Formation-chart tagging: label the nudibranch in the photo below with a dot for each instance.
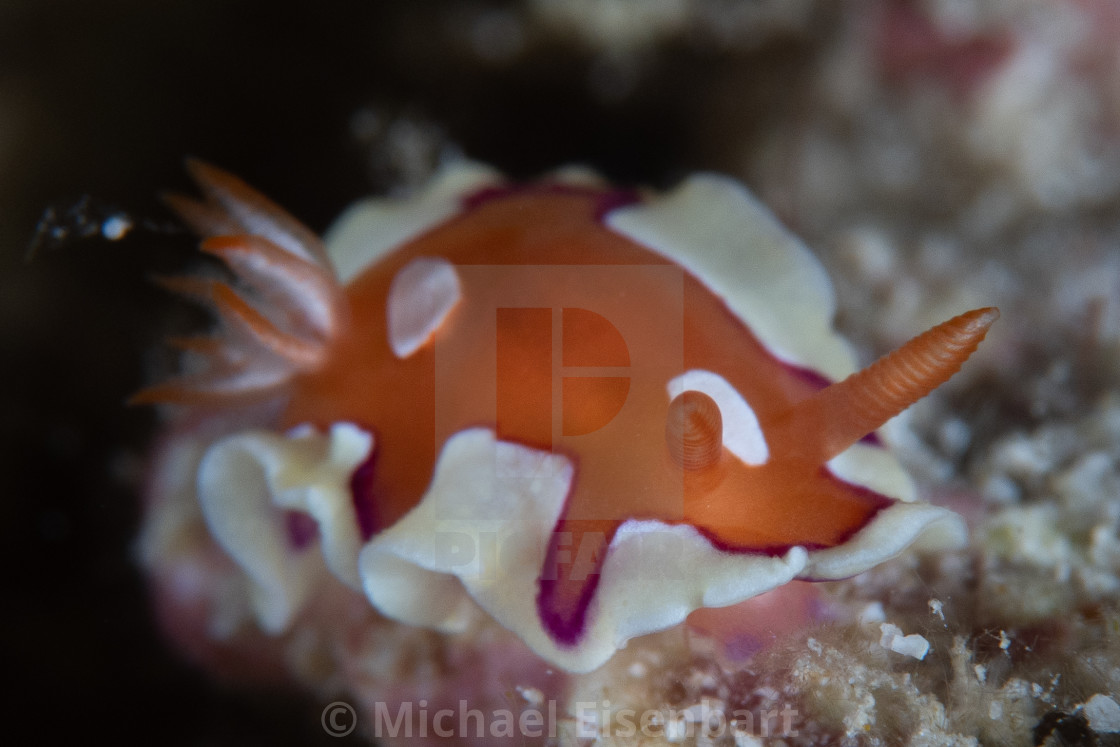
(584, 412)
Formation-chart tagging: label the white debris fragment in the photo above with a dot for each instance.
(531, 695)
(912, 645)
(1104, 546)
(705, 711)
(587, 722)
(767, 693)
(1103, 714)
(954, 436)
(1000, 489)
(981, 672)
(935, 608)
(889, 632)
(815, 646)
(869, 250)
(1004, 641)
(115, 227)
(995, 710)
(707, 681)
(1021, 456)
(676, 729)
(873, 613)
(1092, 476)
(1029, 535)
(744, 738)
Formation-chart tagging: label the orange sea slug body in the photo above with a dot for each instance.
(618, 404)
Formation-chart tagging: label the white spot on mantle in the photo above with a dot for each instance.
(422, 295)
(742, 435)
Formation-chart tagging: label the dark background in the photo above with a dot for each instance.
(99, 104)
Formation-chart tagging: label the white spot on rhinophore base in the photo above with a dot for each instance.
(420, 298)
(742, 435)
(912, 645)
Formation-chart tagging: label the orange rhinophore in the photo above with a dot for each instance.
(584, 412)
(827, 423)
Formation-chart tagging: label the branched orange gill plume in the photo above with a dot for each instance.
(294, 305)
(827, 423)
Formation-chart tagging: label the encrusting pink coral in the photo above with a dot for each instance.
(578, 412)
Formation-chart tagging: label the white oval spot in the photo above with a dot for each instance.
(420, 298)
(742, 435)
